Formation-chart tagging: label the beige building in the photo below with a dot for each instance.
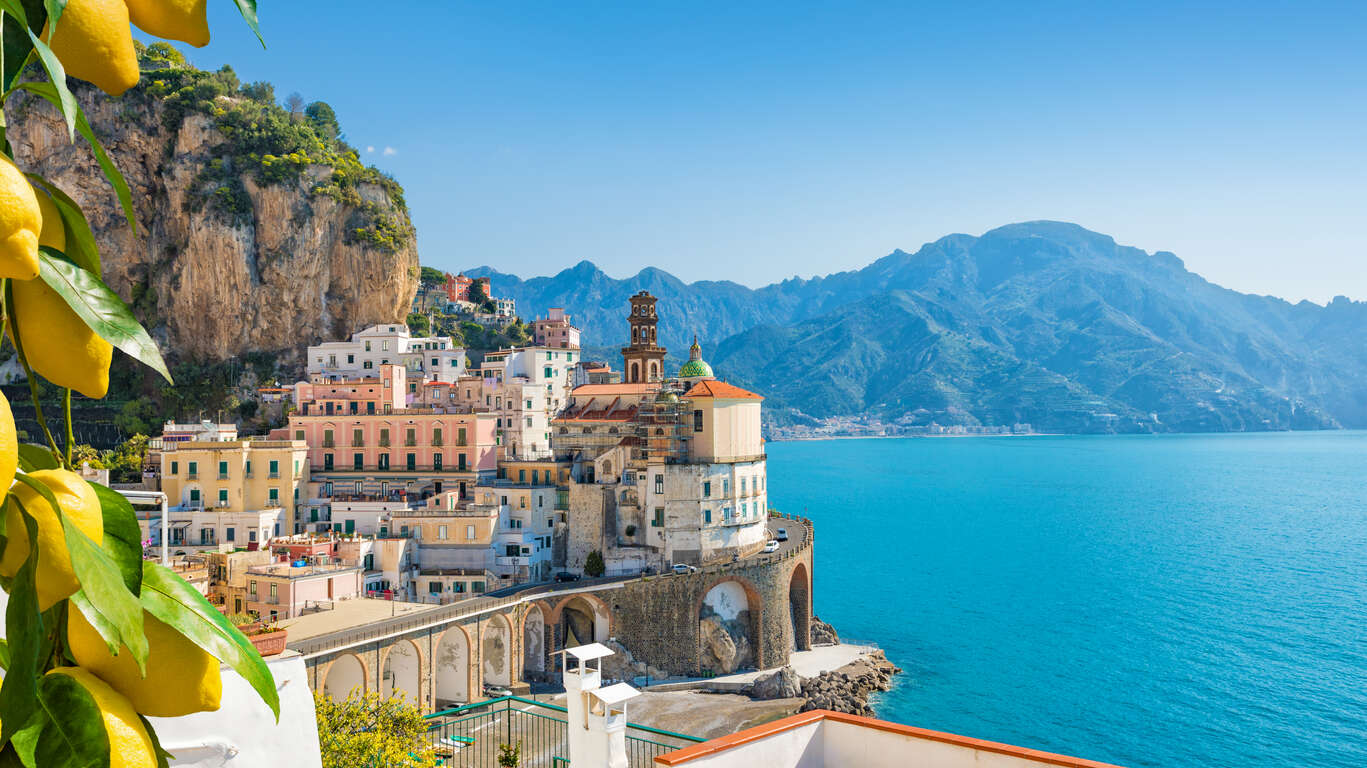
(233, 494)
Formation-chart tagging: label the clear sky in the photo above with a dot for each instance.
(755, 141)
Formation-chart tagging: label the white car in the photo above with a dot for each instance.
(772, 546)
(682, 568)
(781, 534)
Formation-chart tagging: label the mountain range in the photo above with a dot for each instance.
(1042, 323)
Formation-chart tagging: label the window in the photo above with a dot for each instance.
(222, 497)
(436, 436)
(457, 586)
(529, 405)
(384, 437)
(441, 532)
(659, 483)
(460, 461)
(707, 489)
(192, 469)
(222, 470)
(274, 496)
(367, 346)
(412, 461)
(251, 535)
(549, 373)
(358, 461)
(350, 359)
(410, 437)
(274, 468)
(327, 462)
(436, 462)
(253, 590)
(522, 476)
(460, 436)
(469, 533)
(327, 438)
(726, 486)
(476, 586)
(175, 467)
(247, 467)
(742, 486)
(434, 588)
(659, 520)
(298, 434)
(357, 436)
(231, 534)
(384, 461)
(274, 591)
(697, 421)
(707, 515)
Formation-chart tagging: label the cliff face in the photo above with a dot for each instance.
(286, 267)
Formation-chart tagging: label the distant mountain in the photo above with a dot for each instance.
(1044, 323)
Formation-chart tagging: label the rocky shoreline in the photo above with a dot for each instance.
(842, 690)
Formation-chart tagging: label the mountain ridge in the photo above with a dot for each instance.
(1040, 322)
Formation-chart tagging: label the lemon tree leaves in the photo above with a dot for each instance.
(80, 241)
(176, 603)
(71, 730)
(103, 598)
(122, 536)
(29, 643)
(248, 10)
(56, 73)
(111, 172)
(100, 308)
(34, 457)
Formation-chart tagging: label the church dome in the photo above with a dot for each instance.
(696, 367)
(666, 396)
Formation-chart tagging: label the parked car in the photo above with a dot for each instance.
(565, 576)
(495, 691)
(683, 568)
(772, 546)
(781, 534)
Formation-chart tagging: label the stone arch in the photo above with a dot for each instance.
(730, 620)
(496, 651)
(800, 607)
(534, 641)
(401, 672)
(451, 667)
(564, 430)
(635, 372)
(344, 674)
(585, 617)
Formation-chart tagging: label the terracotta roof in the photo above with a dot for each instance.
(590, 390)
(437, 384)
(721, 389)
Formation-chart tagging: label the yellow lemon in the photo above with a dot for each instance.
(129, 744)
(56, 581)
(20, 221)
(58, 343)
(184, 20)
(9, 447)
(94, 43)
(52, 234)
(181, 677)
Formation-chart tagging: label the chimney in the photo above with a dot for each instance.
(596, 716)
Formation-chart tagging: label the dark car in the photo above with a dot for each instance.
(565, 576)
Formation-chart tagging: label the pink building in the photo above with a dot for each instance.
(555, 331)
(385, 392)
(283, 591)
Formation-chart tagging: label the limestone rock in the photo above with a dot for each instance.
(287, 273)
(780, 684)
(823, 633)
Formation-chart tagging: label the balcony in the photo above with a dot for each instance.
(329, 444)
(384, 442)
(273, 475)
(410, 443)
(192, 475)
(222, 475)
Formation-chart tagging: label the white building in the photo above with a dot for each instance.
(526, 387)
(426, 358)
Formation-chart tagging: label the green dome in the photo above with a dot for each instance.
(695, 369)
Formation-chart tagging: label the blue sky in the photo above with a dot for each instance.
(755, 141)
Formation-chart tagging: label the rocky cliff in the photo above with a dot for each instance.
(241, 246)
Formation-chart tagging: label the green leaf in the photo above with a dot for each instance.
(24, 632)
(111, 172)
(122, 536)
(65, 101)
(105, 601)
(100, 308)
(54, 10)
(176, 603)
(164, 758)
(25, 740)
(80, 240)
(248, 10)
(4, 653)
(30, 16)
(74, 734)
(35, 457)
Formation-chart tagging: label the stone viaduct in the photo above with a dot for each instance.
(748, 614)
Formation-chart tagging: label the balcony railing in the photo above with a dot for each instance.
(392, 468)
(329, 444)
(191, 475)
(222, 475)
(384, 442)
(410, 443)
(273, 475)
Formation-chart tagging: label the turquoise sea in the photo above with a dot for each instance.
(1183, 600)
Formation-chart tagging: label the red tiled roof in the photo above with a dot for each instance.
(722, 390)
(590, 390)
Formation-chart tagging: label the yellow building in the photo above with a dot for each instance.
(232, 494)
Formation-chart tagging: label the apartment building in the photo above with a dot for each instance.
(231, 494)
(435, 358)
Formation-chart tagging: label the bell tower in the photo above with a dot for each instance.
(643, 359)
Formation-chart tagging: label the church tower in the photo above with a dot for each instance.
(642, 360)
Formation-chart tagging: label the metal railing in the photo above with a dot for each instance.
(469, 736)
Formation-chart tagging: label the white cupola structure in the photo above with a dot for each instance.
(596, 717)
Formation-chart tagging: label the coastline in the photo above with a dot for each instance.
(817, 438)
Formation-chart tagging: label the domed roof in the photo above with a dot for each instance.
(666, 396)
(696, 367)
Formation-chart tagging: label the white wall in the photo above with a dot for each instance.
(243, 732)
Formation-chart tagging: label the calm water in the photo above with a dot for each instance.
(1170, 601)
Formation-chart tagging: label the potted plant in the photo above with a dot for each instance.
(245, 622)
(268, 639)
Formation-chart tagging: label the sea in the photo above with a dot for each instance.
(1176, 600)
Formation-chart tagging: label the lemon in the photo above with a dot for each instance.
(57, 342)
(20, 221)
(184, 20)
(181, 677)
(52, 234)
(94, 43)
(56, 580)
(129, 744)
(9, 447)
